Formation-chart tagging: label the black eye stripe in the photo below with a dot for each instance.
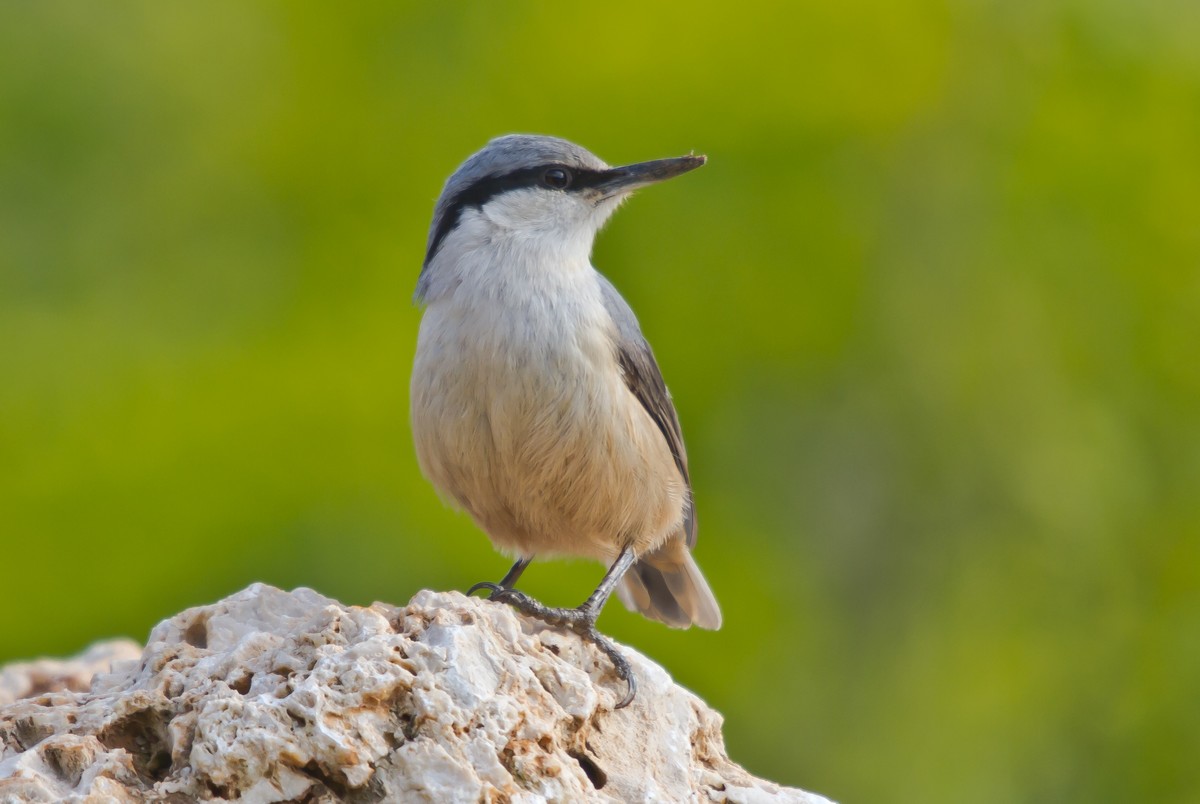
(487, 188)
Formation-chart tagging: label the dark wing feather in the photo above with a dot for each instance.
(644, 380)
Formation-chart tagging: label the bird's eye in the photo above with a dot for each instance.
(557, 178)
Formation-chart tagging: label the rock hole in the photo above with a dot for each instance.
(595, 774)
(158, 764)
(30, 732)
(219, 791)
(196, 634)
(394, 739)
(67, 762)
(242, 684)
(144, 735)
(325, 779)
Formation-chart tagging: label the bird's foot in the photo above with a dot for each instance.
(581, 621)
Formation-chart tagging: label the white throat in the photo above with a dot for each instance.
(519, 238)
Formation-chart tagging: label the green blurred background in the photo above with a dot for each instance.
(930, 316)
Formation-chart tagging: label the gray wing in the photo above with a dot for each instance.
(644, 380)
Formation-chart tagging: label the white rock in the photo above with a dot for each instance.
(27, 679)
(273, 696)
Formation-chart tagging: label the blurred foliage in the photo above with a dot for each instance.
(930, 315)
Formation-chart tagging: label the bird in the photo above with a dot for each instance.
(537, 405)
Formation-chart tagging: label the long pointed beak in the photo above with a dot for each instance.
(628, 178)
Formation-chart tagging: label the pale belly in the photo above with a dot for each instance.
(539, 439)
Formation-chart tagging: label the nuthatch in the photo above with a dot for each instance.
(537, 404)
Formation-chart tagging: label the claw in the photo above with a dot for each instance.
(494, 588)
(621, 665)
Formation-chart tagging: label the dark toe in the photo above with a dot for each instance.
(620, 664)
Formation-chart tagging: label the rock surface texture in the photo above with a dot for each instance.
(290, 696)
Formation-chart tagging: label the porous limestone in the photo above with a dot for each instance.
(272, 696)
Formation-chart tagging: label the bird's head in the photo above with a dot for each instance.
(541, 190)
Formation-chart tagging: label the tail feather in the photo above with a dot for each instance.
(667, 586)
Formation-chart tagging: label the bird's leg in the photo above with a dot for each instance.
(507, 582)
(581, 620)
(514, 573)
